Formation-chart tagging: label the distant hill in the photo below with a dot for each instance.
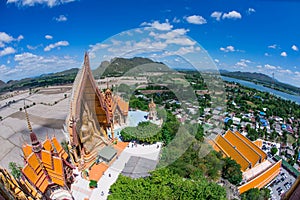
(58, 78)
(119, 66)
(2, 83)
(263, 79)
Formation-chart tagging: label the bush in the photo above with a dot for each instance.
(93, 184)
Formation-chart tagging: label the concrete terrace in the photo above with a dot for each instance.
(46, 116)
(80, 189)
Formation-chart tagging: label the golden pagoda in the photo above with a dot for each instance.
(92, 117)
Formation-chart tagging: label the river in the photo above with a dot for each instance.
(264, 89)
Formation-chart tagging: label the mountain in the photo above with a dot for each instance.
(249, 76)
(57, 78)
(119, 66)
(2, 83)
(263, 79)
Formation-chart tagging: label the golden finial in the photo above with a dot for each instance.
(27, 118)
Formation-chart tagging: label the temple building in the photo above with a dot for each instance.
(47, 167)
(152, 111)
(11, 188)
(92, 117)
(257, 170)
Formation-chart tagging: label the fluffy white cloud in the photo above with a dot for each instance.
(283, 54)
(267, 66)
(165, 26)
(176, 36)
(228, 49)
(49, 3)
(7, 51)
(5, 38)
(295, 48)
(232, 15)
(61, 18)
(242, 63)
(217, 15)
(48, 37)
(196, 19)
(57, 44)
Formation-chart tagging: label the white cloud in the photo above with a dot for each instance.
(165, 26)
(176, 36)
(267, 66)
(283, 54)
(57, 44)
(216, 60)
(28, 65)
(232, 15)
(266, 54)
(295, 48)
(48, 37)
(243, 63)
(182, 51)
(250, 11)
(217, 15)
(175, 20)
(49, 3)
(7, 51)
(5, 38)
(228, 49)
(21, 37)
(285, 71)
(273, 46)
(61, 18)
(196, 19)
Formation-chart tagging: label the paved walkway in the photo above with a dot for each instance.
(80, 189)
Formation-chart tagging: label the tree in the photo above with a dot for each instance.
(273, 151)
(232, 171)
(256, 194)
(15, 170)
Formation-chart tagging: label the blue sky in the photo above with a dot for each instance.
(43, 36)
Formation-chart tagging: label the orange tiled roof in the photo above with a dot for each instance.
(258, 143)
(263, 179)
(38, 168)
(252, 145)
(35, 174)
(230, 151)
(27, 150)
(47, 145)
(97, 171)
(61, 152)
(121, 104)
(247, 151)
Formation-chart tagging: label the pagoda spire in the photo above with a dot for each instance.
(36, 144)
(27, 119)
(86, 60)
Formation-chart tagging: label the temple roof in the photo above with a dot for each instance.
(101, 105)
(46, 167)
